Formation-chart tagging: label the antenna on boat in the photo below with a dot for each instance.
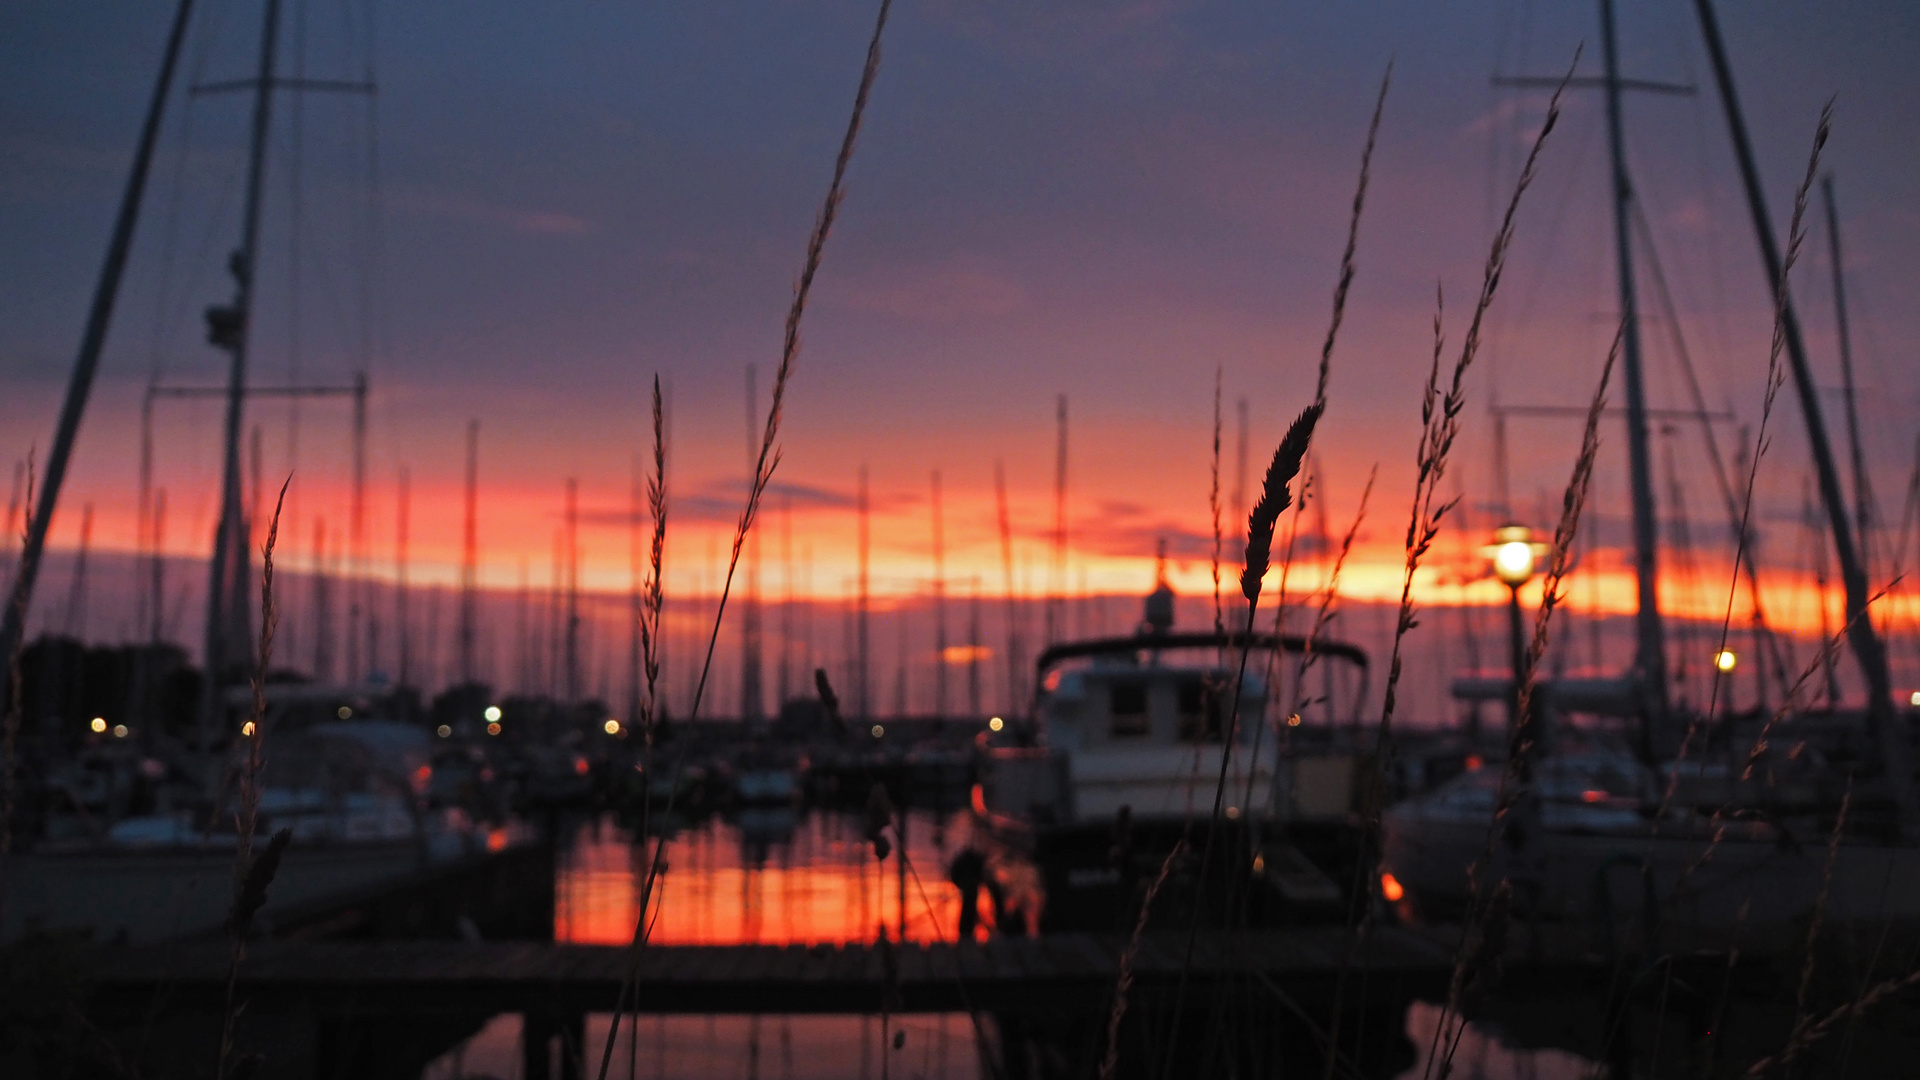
(1861, 633)
(973, 652)
(357, 532)
(786, 602)
(637, 500)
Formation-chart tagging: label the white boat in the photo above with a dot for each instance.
(1124, 755)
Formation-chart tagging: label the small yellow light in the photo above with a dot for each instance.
(493, 714)
(1915, 699)
(1293, 720)
(996, 723)
(443, 731)
(493, 728)
(878, 731)
(98, 725)
(247, 729)
(1725, 660)
(611, 727)
(1259, 864)
(344, 712)
(119, 731)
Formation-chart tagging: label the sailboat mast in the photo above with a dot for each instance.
(228, 329)
(1862, 494)
(939, 606)
(470, 554)
(1861, 634)
(80, 383)
(1650, 657)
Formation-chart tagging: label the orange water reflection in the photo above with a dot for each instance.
(764, 877)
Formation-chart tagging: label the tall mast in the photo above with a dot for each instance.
(470, 553)
(939, 606)
(77, 598)
(862, 670)
(973, 653)
(572, 629)
(228, 328)
(403, 625)
(1867, 647)
(1862, 493)
(637, 499)
(1056, 622)
(1012, 602)
(1650, 656)
(357, 532)
(80, 383)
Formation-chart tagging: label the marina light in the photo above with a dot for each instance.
(611, 727)
(1515, 554)
(344, 712)
(1391, 889)
(119, 731)
(1725, 660)
(1293, 719)
(493, 728)
(247, 729)
(995, 724)
(443, 731)
(98, 725)
(1915, 699)
(878, 731)
(493, 714)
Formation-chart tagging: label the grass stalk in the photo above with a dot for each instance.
(10, 736)
(1482, 938)
(767, 459)
(251, 876)
(1123, 980)
(1275, 497)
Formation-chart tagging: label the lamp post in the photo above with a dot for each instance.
(1514, 554)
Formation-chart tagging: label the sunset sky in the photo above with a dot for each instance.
(1102, 200)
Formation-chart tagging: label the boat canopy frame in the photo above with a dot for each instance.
(1054, 655)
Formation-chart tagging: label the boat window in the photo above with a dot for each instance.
(1128, 707)
(1200, 718)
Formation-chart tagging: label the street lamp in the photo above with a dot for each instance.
(1515, 554)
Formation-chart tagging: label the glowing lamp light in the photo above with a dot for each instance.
(247, 729)
(1915, 699)
(99, 725)
(1293, 719)
(1725, 660)
(995, 724)
(1391, 889)
(878, 731)
(493, 714)
(611, 727)
(119, 731)
(1515, 554)
(443, 731)
(493, 728)
(344, 712)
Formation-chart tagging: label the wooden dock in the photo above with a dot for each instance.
(1007, 974)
